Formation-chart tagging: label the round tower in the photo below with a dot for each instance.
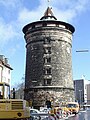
(48, 61)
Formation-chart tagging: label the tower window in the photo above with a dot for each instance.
(47, 81)
(47, 71)
(44, 24)
(33, 26)
(47, 50)
(47, 60)
(47, 40)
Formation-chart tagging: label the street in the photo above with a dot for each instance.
(82, 115)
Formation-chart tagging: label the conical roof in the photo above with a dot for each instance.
(48, 15)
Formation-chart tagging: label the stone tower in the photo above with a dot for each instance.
(48, 61)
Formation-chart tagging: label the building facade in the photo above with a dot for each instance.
(48, 60)
(88, 93)
(80, 86)
(5, 70)
(5, 73)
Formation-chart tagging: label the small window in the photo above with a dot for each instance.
(33, 26)
(47, 81)
(47, 60)
(44, 24)
(46, 40)
(8, 80)
(47, 71)
(44, 82)
(8, 71)
(47, 50)
(57, 25)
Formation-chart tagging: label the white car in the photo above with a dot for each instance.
(44, 110)
(34, 114)
(38, 115)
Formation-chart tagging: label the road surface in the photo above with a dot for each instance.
(82, 115)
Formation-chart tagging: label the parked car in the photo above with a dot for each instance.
(45, 110)
(73, 107)
(34, 114)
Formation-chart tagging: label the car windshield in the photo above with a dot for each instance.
(33, 111)
(71, 105)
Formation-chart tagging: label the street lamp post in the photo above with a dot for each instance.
(80, 91)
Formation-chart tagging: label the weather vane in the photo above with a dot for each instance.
(48, 2)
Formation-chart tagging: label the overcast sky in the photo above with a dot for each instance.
(15, 14)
